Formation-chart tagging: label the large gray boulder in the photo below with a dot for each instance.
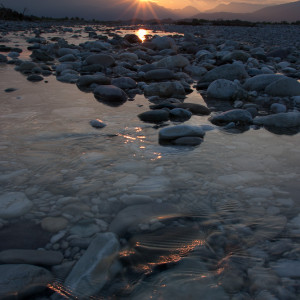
(224, 89)
(93, 269)
(284, 87)
(236, 115)
(228, 71)
(84, 82)
(20, 281)
(284, 120)
(260, 82)
(124, 83)
(154, 116)
(14, 204)
(168, 89)
(171, 62)
(110, 94)
(104, 60)
(163, 42)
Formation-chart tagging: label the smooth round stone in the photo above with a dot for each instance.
(175, 132)
(260, 82)
(171, 62)
(284, 120)
(100, 59)
(86, 80)
(180, 114)
(128, 56)
(154, 116)
(235, 115)
(124, 83)
(35, 78)
(97, 124)
(159, 74)
(14, 204)
(84, 229)
(224, 89)
(110, 94)
(285, 86)
(165, 89)
(67, 58)
(278, 108)
(194, 108)
(54, 224)
(22, 281)
(3, 58)
(188, 141)
(9, 90)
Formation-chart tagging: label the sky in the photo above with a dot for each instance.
(37, 7)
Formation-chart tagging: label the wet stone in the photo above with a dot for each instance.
(35, 78)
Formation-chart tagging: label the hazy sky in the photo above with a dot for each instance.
(36, 6)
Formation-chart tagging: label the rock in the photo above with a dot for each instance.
(35, 78)
(228, 71)
(68, 77)
(224, 89)
(97, 123)
(236, 115)
(278, 108)
(132, 38)
(180, 114)
(175, 132)
(284, 120)
(128, 56)
(284, 87)
(84, 82)
(171, 62)
(10, 90)
(188, 141)
(163, 42)
(159, 74)
(22, 281)
(93, 269)
(110, 94)
(279, 52)
(26, 67)
(67, 58)
(54, 224)
(84, 229)
(104, 60)
(165, 90)
(31, 257)
(65, 51)
(260, 82)
(14, 204)
(41, 55)
(3, 58)
(195, 71)
(124, 83)
(196, 109)
(287, 268)
(236, 55)
(131, 216)
(154, 116)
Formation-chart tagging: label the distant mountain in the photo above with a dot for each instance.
(185, 12)
(237, 7)
(289, 12)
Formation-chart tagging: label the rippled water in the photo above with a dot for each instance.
(234, 195)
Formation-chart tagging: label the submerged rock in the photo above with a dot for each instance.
(236, 115)
(22, 281)
(284, 120)
(84, 82)
(194, 108)
(165, 90)
(154, 116)
(93, 270)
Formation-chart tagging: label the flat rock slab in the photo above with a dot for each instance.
(92, 271)
(22, 280)
(14, 204)
(32, 257)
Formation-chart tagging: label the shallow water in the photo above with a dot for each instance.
(234, 195)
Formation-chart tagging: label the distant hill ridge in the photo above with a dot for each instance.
(238, 7)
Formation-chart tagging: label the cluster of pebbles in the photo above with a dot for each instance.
(246, 82)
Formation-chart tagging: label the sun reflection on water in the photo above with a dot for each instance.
(141, 33)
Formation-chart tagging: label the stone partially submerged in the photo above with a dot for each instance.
(110, 94)
(168, 89)
(240, 116)
(283, 120)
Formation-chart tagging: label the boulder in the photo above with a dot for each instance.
(110, 94)
(175, 132)
(284, 87)
(188, 141)
(165, 89)
(154, 116)
(93, 269)
(171, 62)
(194, 108)
(84, 82)
(224, 89)
(67, 58)
(104, 60)
(283, 120)
(180, 114)
(236, 115)
(236, 55)
(14, 204)
(278, 108)
(124, 83)
(128, 56)
(159, 74)
(260, 82)
(41, 55)
(228, 71)
(163, 42)
(22, 281)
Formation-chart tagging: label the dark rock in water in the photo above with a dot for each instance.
(94, 268)
(175, 132)
(159, 74)
(33, 257)
(23, 235)
(97, 123)
(164, 104)
(180, 114)
(240, 116)
(84, 82)
(104, 60)
(35, 78)
(110, 94)
(154, 116)
(188, 141)
(165, 89)
(41, 55)
(3, 58)
(20, 281)
(284, 120)
(9, 90)
(132, 38)
(124, 83)
(196, 109)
